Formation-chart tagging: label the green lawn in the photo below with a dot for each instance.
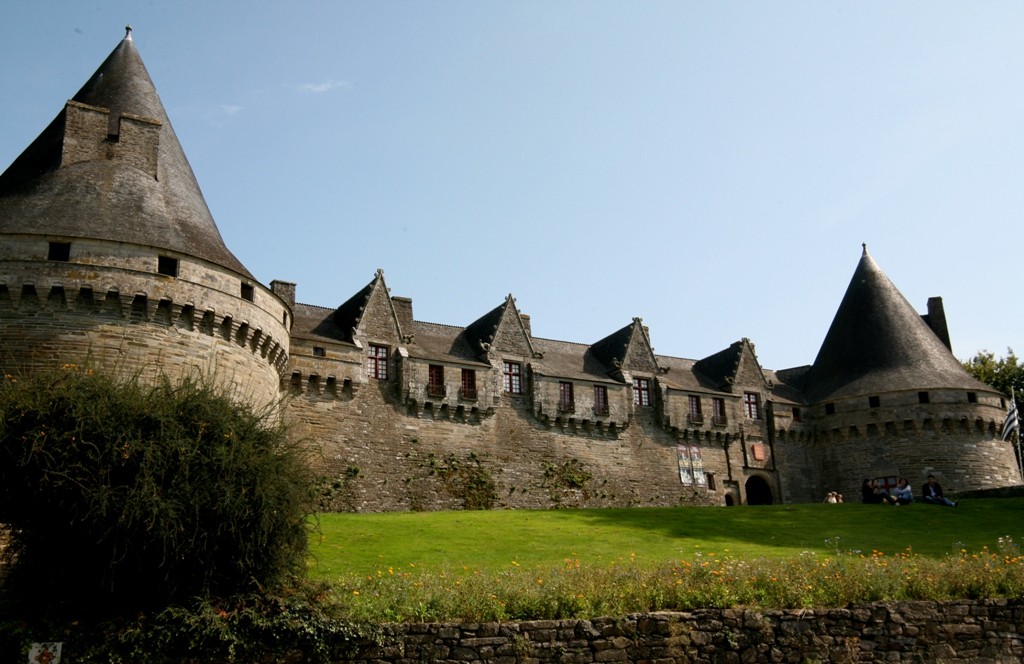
(492, 541)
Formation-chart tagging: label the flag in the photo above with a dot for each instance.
(1012, 422)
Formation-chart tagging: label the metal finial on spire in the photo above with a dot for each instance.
(864, 246)
(128, 32)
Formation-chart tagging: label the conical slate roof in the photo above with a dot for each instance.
(878, 343)
(111, 199)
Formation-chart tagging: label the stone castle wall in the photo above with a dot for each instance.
(385, 459)
(107, 307)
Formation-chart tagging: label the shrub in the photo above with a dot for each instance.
(125, 495)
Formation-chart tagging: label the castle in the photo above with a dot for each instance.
(110, 256)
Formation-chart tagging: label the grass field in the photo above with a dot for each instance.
(501, 565)
(360, 544)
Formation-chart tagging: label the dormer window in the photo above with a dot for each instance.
(59, 251)
(167, 265)
(377, 362)
(641, 392)
(513, 377)
(752, 404)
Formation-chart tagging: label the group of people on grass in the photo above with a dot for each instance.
(872, 492)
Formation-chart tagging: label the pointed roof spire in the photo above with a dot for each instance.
(43, 192)
(879, 343)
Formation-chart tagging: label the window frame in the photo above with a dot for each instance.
(642, 392)
(566, 398)
(601, 400)
(718, 411)
(694, 412)
(377, 361)
(512, 377)
(467, 388)
(435, 380)
(752, 405)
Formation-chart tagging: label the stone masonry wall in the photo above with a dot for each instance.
(108, 308)
(984, 631)
(383, 458)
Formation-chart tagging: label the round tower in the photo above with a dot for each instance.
(109, 255)
(888, 399)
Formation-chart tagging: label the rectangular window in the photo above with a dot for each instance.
(319, 351)
(59, 251)
(874, 402)
(167, 265)
(600, 400)
(468, 384)
(972, 397)
(752, 405)
(566, 403)
(922, 397)
(377, 362)
(830, 409)
(718, 410)
(435, 380)
(641, 392)
(695, 416)
(796, 414)
(513, 377)
(248, 292)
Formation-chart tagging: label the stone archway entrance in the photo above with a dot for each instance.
(758, 491)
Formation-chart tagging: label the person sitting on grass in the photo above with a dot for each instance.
(931, 493)
(903, 494)
(873, 494)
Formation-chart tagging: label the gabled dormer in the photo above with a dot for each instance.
(627, 351)
(501, 331)
(370, 315)
(733, 369)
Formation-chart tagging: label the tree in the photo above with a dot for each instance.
(1006, 374)
(124, 496)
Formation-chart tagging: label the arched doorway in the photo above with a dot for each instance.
(758, 491)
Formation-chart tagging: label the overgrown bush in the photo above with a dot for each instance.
(125, 496)
(297, 624)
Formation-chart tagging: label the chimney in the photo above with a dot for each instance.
(936, 319)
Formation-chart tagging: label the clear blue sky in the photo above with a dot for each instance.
(712, 167)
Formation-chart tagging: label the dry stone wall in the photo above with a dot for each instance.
(979, 632)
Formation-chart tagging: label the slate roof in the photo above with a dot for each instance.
(109, 199)
(879, 343)
(441, 343)
(614, 346)
(566, 359)
(317, 324)
(482, 330)
(346, 317)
